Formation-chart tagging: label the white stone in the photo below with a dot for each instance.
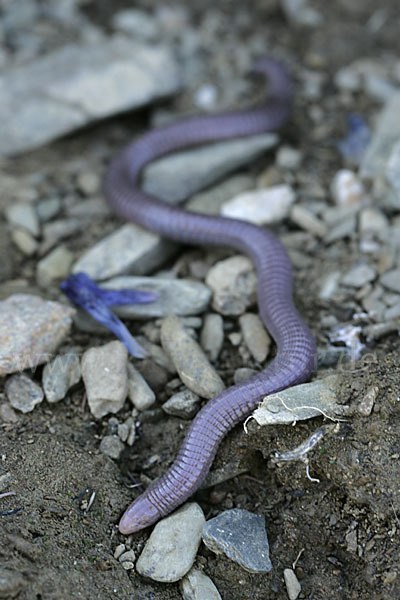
(261, 207)
(346, 188)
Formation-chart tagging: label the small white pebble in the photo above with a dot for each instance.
(293, 586)
(346, 188)
(127, 565)
(128, 556)
(120, 549)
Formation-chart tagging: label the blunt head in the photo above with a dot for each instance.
(140, 514)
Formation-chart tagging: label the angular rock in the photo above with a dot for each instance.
(111, 446)
(23, 393)
(176, 296)
(200, 167)
(171, 549)
(182, 404)
(241, 536)
(55, 266)
(25, 216)
(234, 284)
(129, 249)
(359, 275)
(104, 372)
(59, 375)
(189, 359)
(78, 84)
(391, 280)
(31, 329)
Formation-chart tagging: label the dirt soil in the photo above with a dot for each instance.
(343, 532)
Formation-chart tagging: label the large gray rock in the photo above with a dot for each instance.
(78, 84)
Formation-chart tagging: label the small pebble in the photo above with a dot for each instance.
(212, 335)
(55, 266)
(183, 404)
(25, 216)
(88, 183)
(367, 402)
(391, 280)
(104, 372)
(48, 209)
(261, 207)
(241, 536)
(293, 586)
(59, 375)
(189, 359)
(255, 336)
(242, 374)
(22, 393)
(24, 241)
(111, 446)
(288, 158)
(197, 586)
(120, 549)
(308, 221)
(346, 188)
(128, 555)
(140, 393)
(171, 549)
(234, 284)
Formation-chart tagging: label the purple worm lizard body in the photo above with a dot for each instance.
(296, 352)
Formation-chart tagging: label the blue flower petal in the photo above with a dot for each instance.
(84, 292)
(357, 139)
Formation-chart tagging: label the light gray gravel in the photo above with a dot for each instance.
(196, 585)
(111, 446)
(255, 336)
(212, 335)
(261, 207)
(140, 393)
(59, 375)
(183, 404)
(234, 285)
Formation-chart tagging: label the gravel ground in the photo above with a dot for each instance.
(67, 105)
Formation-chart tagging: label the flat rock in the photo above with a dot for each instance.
(129, 249)
(78, 84)
(300, 402)
(201, 167)
(241, 536)
(59, 375)
(104, 372)
(261, 207)
(234, 284)
(23, 393)
(171, 549)
(189, 359)
(359, 275)
(31, 329)
(183, 404)
(196, 585)
(176, 296)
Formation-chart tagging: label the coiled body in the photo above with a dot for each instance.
(296, 352)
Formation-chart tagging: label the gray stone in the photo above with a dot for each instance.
(200, 167)
(104, 372)
(343, 229)
(78, 84)
(129, 249)
(197, 586)
(88, 183)
(261, 207)
(305, 219)
(385, 136)
(176, 296)
(212, 200)
(111, 446)
(212, 335)
(391, 280)
(293, 586)
(171, 549)
(359, 275)
(300, 402)
(140, 393)
(136, 23)
(189, 359)
(24, 241)
(55, 266)
(241, 536)
(59, 230)
(23, 215)
(22, 393)
(255, 336)
(372, 220)
(60, 375)
(242, 374)
(182, 404)
(48, 209)
(31, 329)
(234, 284)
